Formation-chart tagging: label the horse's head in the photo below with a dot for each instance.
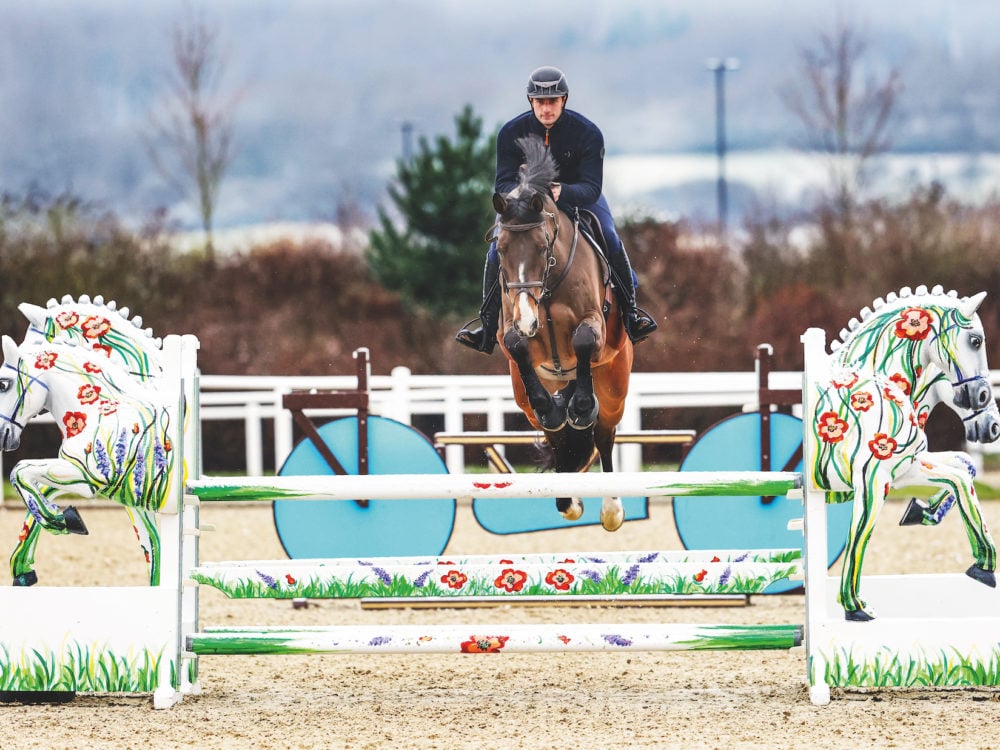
(22, 394)
(958, 349)
(527, 230)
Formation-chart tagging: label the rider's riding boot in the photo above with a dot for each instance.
(638, 323)
(484, 338)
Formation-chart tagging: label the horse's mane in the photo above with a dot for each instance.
(893, 301)
(123, 337)
(540, 169)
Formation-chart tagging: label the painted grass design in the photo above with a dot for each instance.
(944, 668)
(81, 668)
(513, 580)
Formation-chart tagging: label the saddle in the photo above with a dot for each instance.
(590, 227)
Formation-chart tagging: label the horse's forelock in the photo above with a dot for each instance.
(540, 169)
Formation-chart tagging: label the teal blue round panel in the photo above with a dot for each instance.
(385, 528)
(750, 522)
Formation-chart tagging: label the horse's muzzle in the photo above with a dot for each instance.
(10, 437)
(974, 393)
(984, 426)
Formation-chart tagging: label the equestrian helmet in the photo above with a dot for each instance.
(547, 83)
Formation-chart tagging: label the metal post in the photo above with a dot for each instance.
(719, 67)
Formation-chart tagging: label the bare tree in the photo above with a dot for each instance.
(844, 116)
(192, 132)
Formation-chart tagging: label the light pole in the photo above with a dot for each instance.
(720, 67)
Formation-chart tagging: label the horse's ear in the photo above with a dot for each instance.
(10, 352)
(499, 203)
(537, 203)
(36, 315)
(971, 304)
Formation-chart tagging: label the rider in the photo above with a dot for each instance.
(578, 147)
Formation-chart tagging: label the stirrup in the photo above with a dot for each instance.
(639, 325)
(475, 338)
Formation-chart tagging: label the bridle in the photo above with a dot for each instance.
(546, 288)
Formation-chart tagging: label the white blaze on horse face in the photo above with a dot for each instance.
(527, 322)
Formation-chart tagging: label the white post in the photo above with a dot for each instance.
(814, 518)
(254, 437)
(283, 431)
(399, 400)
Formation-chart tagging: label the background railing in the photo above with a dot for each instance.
(451, 399)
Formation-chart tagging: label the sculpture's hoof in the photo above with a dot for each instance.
(26, 579)
(983, 576)
(571, 508)
(74, 523)
(914, 513)
(858, 615)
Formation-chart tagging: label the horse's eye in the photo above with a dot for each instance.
(975, 341)
(5, 384)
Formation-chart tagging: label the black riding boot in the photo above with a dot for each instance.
(484, 338)
(638, 323)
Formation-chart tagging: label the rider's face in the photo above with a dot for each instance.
(547, 111)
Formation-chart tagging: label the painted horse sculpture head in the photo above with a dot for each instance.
(890, 369)
(115, 441)
(570, 359)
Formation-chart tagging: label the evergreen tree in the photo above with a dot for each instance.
(443, 197)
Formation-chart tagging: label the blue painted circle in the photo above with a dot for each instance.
(747, 522)
(385, 528)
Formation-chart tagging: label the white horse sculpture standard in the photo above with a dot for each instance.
(868, 432)
(90, 367)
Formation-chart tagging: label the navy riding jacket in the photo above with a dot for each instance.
(577, 145)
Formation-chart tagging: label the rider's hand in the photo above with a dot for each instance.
(556, 189)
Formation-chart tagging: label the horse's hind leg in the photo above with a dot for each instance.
(869, 496)
(612, 512)
(22, 562)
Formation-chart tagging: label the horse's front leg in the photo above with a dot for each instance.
(953, 471)
(147, 532)
(38, 483)
(550, 412)
(583, 407)
(933, 511)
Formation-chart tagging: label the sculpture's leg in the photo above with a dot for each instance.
(952, 472)
(38, 483)
(932, 511)
(869, 495)
(22, 562)
(147, 532)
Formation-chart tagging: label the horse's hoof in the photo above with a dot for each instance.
(571, 508)
(580, 419)
(613, 520)
(983, 576)
(26, 579)
(858, 615)
(914, 513)
(74, 523)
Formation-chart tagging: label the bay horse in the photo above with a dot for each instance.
(561, 328)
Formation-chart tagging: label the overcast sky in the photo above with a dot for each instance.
(325, 85)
